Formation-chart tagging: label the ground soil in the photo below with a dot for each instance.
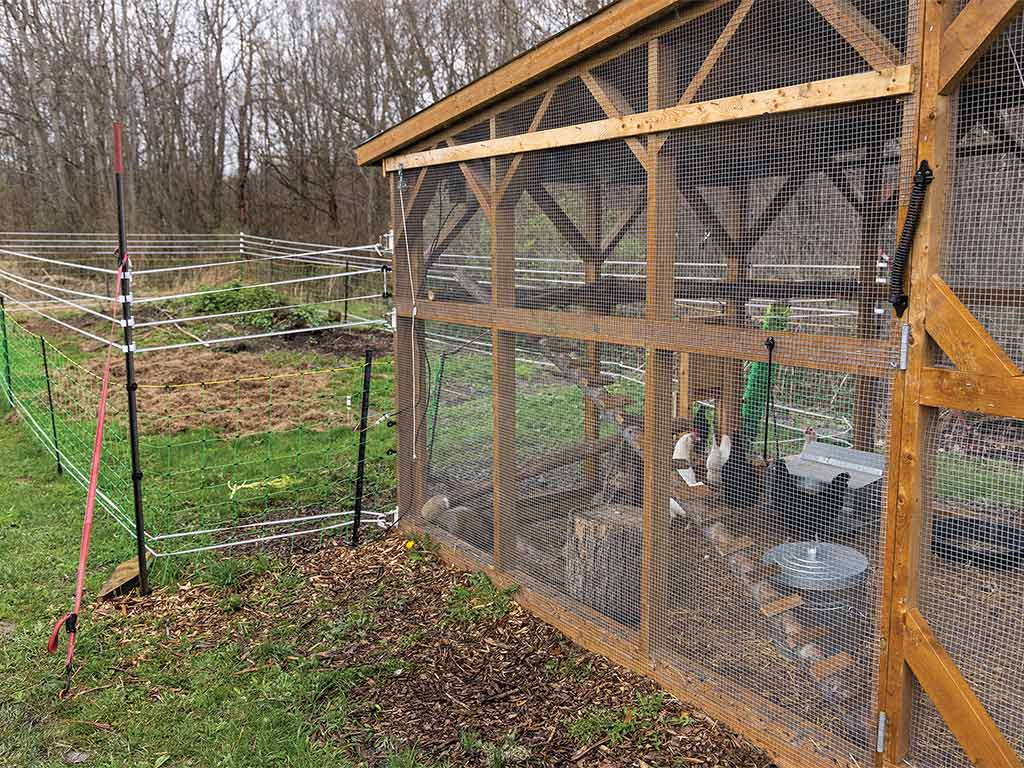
(496, 676)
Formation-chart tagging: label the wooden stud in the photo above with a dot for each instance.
(906, 482)
(970, 35)
(735, 545)
(848, 89)
(857, 30)
(593, 214)
(952, 695)
(566, 227)
(827, 353)
(958, 332)
(782, 605)
(974, 392)
(716, 51)
(832, 665)
(614, 105)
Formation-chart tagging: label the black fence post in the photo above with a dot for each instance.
(364, 416)
(129, 363)
(49, 400)
(8, 386)
(346, 290)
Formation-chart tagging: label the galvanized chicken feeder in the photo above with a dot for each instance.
(823, 573)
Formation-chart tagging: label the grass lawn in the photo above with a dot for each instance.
(305, 655)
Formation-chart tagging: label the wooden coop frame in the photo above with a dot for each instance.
(943, 43)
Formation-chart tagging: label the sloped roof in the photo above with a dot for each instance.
(575, 42)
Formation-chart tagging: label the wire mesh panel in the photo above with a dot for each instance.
(458, 459)
(577, 528)
(971, 585)
(982, 255)
(769, 584)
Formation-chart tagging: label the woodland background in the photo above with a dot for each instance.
(239, 114)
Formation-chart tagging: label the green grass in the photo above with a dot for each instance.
(640, 723)
(478, 600)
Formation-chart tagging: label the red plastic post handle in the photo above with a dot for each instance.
(118, 157)
(51, 647)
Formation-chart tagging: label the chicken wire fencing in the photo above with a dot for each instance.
(250, 377)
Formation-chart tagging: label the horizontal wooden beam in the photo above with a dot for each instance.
(974, 392)
(594, 32)
(962, 337)
(820, 93)
(866, 357)
(969, 36)
(952, 696)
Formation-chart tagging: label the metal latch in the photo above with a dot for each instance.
(880, 742)
(904, 347)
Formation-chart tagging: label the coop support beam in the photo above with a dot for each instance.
(716, 51)
(662, 223)
(857, 30)
(952, 695)
(819, 93)
(827, 353)
(958, 332)
(503, 361)
(592, 263)
(970, 35)
(974, 392)
(908, 444)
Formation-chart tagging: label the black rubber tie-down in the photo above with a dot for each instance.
(983, 543)
(897, 297)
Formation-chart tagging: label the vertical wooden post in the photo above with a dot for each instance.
(905, 481)
(503, 361)
(729, 404)
(410, 370)
(592, 263)
(662, 214)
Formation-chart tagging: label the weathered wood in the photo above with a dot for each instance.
(783, 604)
(738, 544)
(820, 352)
(848, 89)
(575, 43)
(602, 562)
(716, 51)
(614, 105)
(970, 35)
(959, 706)
(961, 336)
(906, 483)
(974, 392)
(825, 668)
(857, 30)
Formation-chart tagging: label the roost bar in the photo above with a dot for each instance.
(650, 368)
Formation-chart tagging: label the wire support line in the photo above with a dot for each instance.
(53, 319)
(73, 265)
(248, 526)
(376, 517)
(291, 281)
(268, 334)
(236, 313)
(62, 301)
(248, 379)
(289, 257)
(15, 276)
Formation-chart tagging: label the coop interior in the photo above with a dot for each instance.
(771, 433)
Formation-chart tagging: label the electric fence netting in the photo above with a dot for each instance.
(249, 365)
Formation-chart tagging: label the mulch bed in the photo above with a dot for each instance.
(494, 676)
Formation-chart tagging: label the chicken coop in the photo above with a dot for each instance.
(708, 336)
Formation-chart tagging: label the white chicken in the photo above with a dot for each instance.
(683, 450)
(717, 456)
(810, 436)
(675, 510)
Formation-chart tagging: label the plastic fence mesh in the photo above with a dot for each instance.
(982, 254)
(971, 586)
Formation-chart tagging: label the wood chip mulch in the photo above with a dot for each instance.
(510, 679)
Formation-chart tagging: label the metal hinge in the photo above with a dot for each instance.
(904, 346)
(880, 743)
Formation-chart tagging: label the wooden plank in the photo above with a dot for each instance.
(611, 241)
(969, 36)
(716, 51)
(593, 33)
(905, 478)
(614, 105)
(832, 665)
(820, 352)
(513, 167)
(782, 605)
(974, 392)
(593, 215)
(857, 30)
(735, 545)
(952, 695)
(566, 227)
(849, 89)
(961, 336)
